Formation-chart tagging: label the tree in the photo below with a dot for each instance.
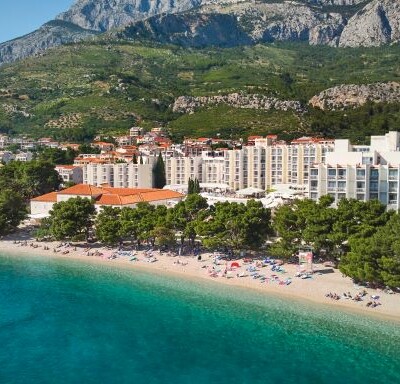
(31, 179)
(183, 216)
(72, 219)
(88, 149)
(375, 259)
(12, 210)
(193, 186)
(236, 226)
(164, 236)
(159, 173)
(190, 186)
(303, 222)
(196, 186)
(108, 225)
(57, 156)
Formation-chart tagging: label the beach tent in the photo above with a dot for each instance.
(250, 191)
(235, 265)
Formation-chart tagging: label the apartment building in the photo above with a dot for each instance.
(360, 172)
(245, 167)
(262, 164)
(119, 175)
(179, 169)
(70, 173)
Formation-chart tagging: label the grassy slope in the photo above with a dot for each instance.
(84, 79)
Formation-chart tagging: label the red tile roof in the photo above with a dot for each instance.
(114, 196)
(82, 190)
(48, 198)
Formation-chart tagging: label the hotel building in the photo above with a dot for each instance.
(360, 172)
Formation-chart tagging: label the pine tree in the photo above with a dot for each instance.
(159, 173)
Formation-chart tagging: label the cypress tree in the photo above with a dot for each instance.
(190, 186)
(196, 186)
(159, 173)
(134, 159)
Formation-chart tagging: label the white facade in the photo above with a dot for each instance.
(24, 156)
(119, 175)
(263, 165)
(360, 172)
(70, 173)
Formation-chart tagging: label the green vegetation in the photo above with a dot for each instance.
(77, 91)
(160, 179)
(193, 186)
(71, 219)
(12, 211)
(57, 156)
(29, 179)
(361, 236)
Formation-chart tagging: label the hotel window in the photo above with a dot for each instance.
(393, 173)
(360, 173)
(360, 184)
(342, 173)
(393, 186)
(374, 174)
(392, 198)
(331, 184)
(331, 172)
(373, 185)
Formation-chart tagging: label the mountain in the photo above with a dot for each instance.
(376, 24)
(225, 23)
(53, 33)
(76, 91)
(241, 23)
(103, 15)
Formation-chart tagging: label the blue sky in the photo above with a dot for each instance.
(18, 17)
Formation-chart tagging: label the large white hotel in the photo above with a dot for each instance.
(267, 163)
(321, 166)
(360, 172)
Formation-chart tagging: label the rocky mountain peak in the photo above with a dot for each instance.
(376, 24)
(103, 15)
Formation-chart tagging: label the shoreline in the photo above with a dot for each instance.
(311, 290)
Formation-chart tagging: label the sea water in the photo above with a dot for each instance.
(73, 322)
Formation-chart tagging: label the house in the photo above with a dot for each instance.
(70, 173)
(24, 156)
(104, 196)
(6, 156)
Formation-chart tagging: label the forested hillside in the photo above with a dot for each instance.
(106, 86)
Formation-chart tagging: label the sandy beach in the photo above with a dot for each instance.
(314, 289)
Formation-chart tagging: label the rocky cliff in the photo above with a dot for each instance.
(189, 104)
(352, 96)
(49, 35)
(376, 24)
(241, 23)
(345, 23)
(103, 15)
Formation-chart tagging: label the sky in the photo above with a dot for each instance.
(19, 17)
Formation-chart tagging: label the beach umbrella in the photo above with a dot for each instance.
(235, 265)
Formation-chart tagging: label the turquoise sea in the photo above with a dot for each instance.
(71, 322)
